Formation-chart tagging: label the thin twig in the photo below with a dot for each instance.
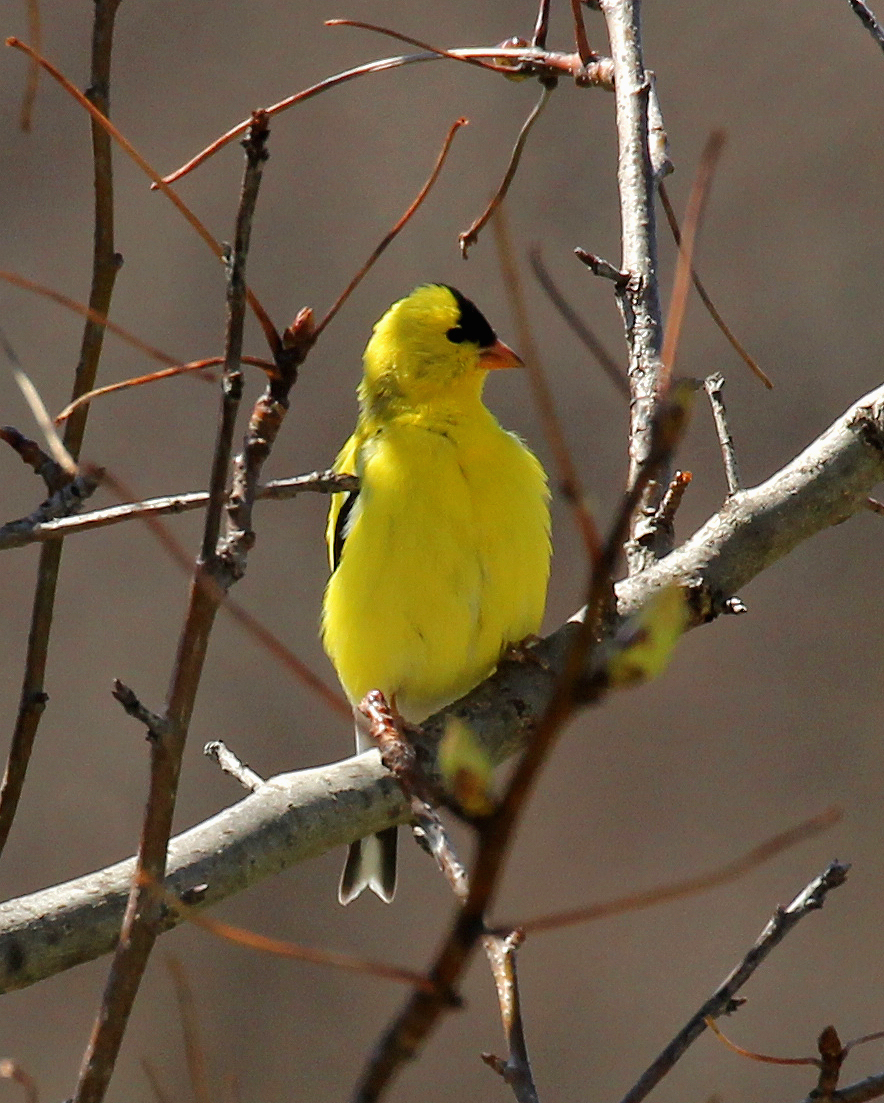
(40, 526)
(155, 724)
(239, 502)
(508, 60)
(104, 269)
(12, 1070)
(40, 462)
(692, 221)
(100, 118)
(240, 128)
(200, 366)
(44, 422)
(607, 362)
(100, 320)
(541, 26)
(584, 52)
(388, 238)
(159, 1093)
(219, 752)
(603, 269)
(569, 481)
(251, 940)
(399, 756)
(141, 923)
(516, 1069)
(811, 898)
(194, 1047)
(469, 237)
(763, 1058)
(678, 890)
(868, 20)
(409, 41)
(29, 96)
(664, 519)
(750, 362)
(714, 385)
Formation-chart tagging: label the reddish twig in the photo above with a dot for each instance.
(290, 101)
(200, 366)
(586, 55)
(518, 60)
(409, 41)
(541, 26)
(100, 320)
(763, 1057)
(294, 951)
(469, 237)
(750, 362)
(389, 237)
(678, 890)
(32, 83)
(194, 1047)
(607, 362)
(12, 1070)
(664, 518)
(693, 218)
(569, 480)
(100, 117)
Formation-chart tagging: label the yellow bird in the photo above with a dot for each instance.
(440, 560)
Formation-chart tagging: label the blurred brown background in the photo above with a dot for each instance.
(761, 721)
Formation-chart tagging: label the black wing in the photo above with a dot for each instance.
(341, 527)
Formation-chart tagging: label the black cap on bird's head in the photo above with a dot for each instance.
(431, 338)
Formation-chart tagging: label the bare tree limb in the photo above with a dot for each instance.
(639, 299)
(297, 816)
(46, 524)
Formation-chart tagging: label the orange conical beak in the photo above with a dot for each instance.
(499, 355)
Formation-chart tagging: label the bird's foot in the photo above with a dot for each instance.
(525, 651)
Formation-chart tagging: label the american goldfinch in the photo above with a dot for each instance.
(440, 560)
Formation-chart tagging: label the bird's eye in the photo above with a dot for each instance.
(456, 335)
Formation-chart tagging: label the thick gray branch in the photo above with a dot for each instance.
(639, 297)
(300, 815)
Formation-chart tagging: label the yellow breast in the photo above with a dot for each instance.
(445, 562)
